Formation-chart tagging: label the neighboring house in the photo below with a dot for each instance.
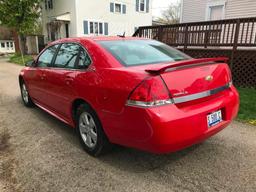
(207, 10)
(76, 18)
(6, 41)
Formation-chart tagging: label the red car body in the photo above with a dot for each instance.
(196, 88)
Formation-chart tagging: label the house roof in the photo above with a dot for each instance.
(62, 17)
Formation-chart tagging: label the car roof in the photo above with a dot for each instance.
(95, 39)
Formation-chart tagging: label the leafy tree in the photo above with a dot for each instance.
(21, 16)
(171, 15)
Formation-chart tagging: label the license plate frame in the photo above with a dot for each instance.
(214, 118)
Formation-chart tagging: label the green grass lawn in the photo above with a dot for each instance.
(16, 58)
(247, 112)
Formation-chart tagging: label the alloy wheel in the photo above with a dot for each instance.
(24, 93)
(88, 130)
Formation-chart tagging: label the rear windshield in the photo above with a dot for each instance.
(142, 52)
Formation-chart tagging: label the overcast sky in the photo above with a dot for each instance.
(160, 5)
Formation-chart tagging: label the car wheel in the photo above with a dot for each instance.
(25, 95)
(90, 131)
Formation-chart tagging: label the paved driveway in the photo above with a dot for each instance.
(40, 153)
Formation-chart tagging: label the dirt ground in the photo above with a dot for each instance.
(40, 153)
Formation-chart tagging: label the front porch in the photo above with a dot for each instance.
(58, 27)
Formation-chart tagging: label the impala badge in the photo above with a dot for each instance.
(209, 78)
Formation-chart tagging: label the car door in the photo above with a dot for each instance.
(37, 75)
(62, 78)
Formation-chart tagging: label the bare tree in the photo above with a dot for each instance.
(171, 15)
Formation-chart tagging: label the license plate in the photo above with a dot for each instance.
(214, 118)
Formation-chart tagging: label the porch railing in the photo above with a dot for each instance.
(233, 38)
(221, 33)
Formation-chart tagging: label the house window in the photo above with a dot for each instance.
(96, 28)
(91, 27)
(142, 5)
(118, 8)
(215, 10)
(48, 4)
(101, 28)
(3, 45)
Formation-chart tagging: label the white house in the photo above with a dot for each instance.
(206, 10)
(7, 46)
(76, 18)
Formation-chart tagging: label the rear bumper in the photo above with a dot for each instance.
(170, 128)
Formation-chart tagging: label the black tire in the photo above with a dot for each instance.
(102, 144)
(27, 101)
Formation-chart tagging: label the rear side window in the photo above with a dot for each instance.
(67, 55)
(45, 59)
(142, 52)
(84, 60)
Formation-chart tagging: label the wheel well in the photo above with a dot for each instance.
(75, 105)
(20, 79)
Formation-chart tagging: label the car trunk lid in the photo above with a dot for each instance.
(196, 78)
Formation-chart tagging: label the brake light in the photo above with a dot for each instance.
(151, 92)
(230, 76)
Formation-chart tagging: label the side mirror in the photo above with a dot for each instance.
(29, 63)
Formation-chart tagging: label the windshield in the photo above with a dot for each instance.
(142, 52)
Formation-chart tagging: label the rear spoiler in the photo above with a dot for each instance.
(185, 63)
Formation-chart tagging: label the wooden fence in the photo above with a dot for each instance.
(235, 38)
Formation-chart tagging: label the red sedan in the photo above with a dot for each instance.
(134, 92)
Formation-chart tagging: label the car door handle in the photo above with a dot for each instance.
(69, 80)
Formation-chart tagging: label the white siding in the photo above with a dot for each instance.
(99, 10)
(60, 7)
(7, 46)
(195, 10)
(239, 9)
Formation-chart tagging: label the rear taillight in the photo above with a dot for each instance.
(151, 92)
(230, 76)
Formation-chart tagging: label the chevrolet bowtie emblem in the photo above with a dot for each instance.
(209, 78)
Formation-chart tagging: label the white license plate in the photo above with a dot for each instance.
(214, 118)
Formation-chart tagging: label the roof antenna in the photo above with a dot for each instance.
(123, 36)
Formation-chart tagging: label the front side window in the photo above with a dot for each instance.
(45, 59)
(66, 57)
(142, 52)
